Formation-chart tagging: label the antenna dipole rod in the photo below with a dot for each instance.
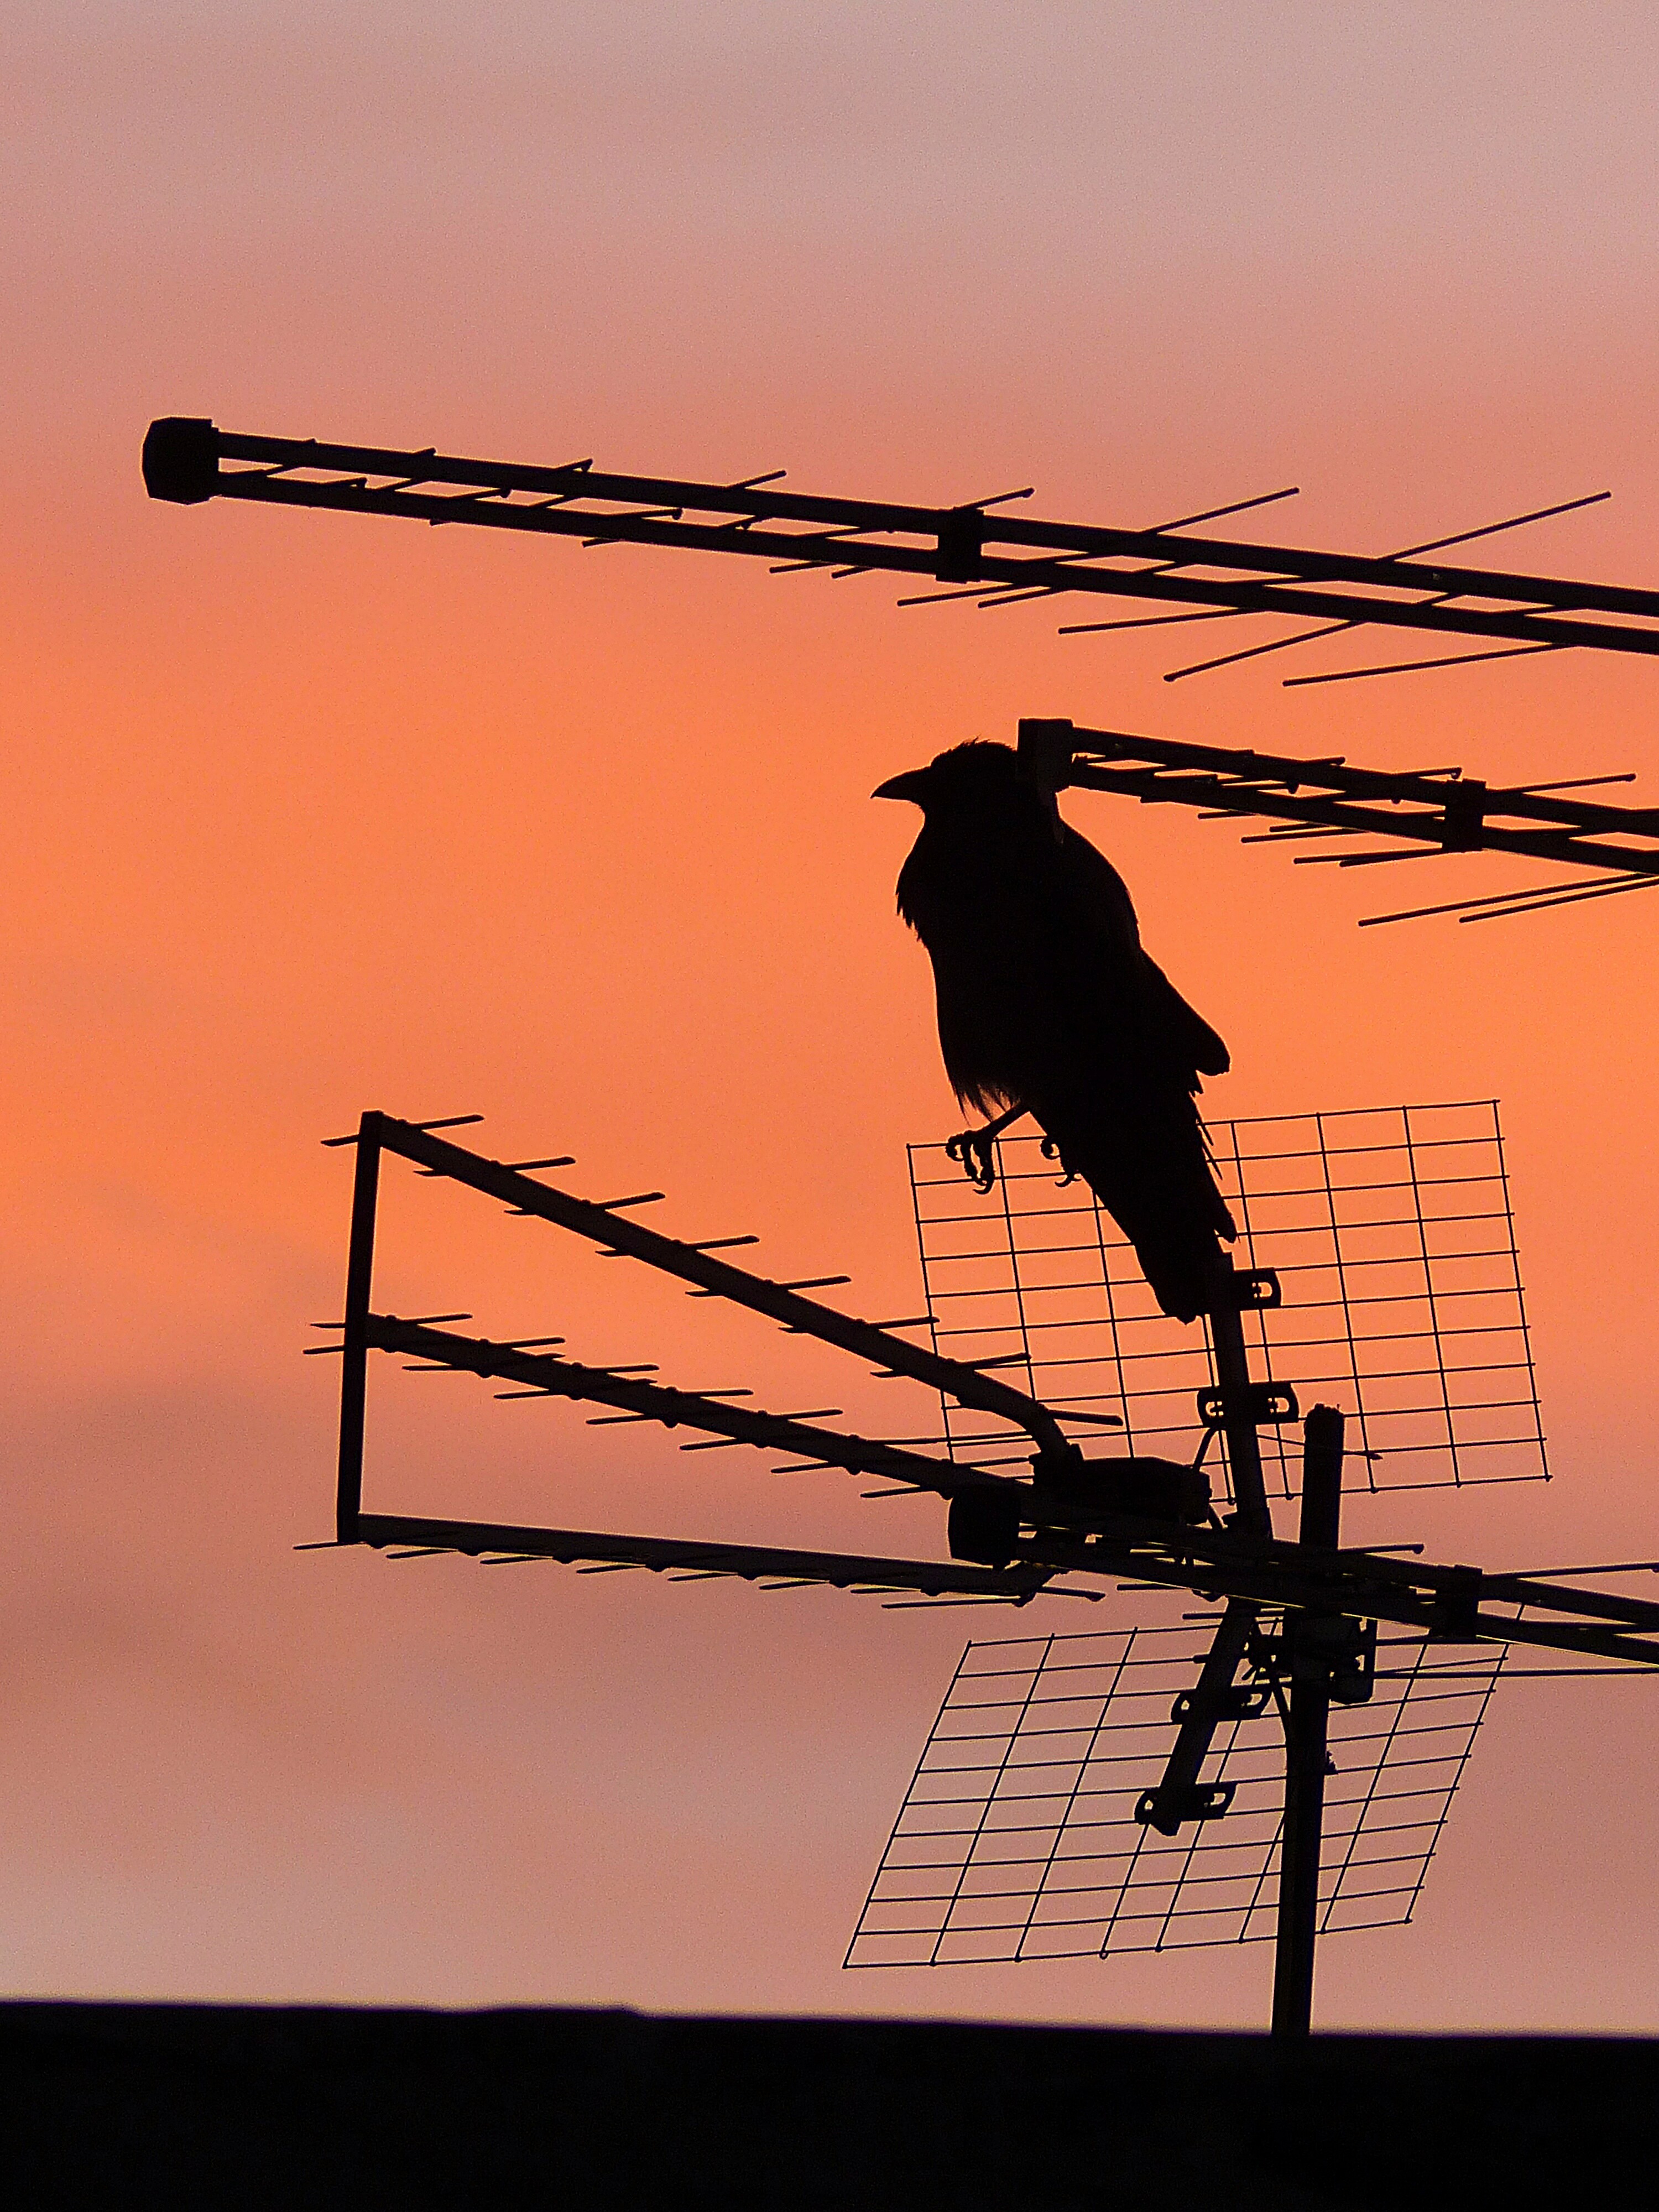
(354, 1377)
(1306, 1742)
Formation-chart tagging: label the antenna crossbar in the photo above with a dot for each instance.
(698, 1265)
(557, 1378)
(186, 458)
(1455, 1601)
(669, 1554)
(1442, 810)
(1450, 1602)
(1041, 1536)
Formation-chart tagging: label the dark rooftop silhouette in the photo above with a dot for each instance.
(112, 2104)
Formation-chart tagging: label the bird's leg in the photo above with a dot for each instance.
(974, 1150)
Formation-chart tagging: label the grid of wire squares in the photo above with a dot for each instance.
(1391, 1232)
(1017, 1841)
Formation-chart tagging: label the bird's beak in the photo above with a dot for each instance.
(912, 785)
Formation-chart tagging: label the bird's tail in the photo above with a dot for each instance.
(1152, 1172)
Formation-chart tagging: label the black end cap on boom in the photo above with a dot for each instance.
(181, 460)
(961, 546)
(983, 1526)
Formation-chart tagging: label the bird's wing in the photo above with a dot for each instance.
(1140, 992)
(1188, 1031)
(1102, 909)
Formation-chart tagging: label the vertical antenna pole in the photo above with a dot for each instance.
(1305, 1742)
(1180, 1796)
(354, 1377)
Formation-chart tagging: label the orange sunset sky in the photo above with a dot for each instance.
(310, 813)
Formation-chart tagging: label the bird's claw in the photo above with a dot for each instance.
(974, 1152)
(1050, 1151)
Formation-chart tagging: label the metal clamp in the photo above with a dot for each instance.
(1165, 1810)
(983, 1526)
(1339, 1651)
(1456, 1605)
(961, 546)
(1240, 1701)
(1259, 1402)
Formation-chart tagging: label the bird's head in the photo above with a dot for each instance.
(967, 779)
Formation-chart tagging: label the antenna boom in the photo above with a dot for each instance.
(185, 462)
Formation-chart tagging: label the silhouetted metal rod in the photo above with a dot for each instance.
(1445, 1601)
(183, 457)
(1176, 1799)
(1442, 829)
(1037, 1564)
(1232, 1372)
(748, 1562)
(1454, 816)
(696, 1264)
(1251, 769)
(1522, 1589)
(1306, 1753)
(1307, 1731)
(1532, 801)
(656, 1401)
(1442, 1600)
(354, 1374)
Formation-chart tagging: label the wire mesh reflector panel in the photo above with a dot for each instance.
(1017, 1838)
(1391, 1234)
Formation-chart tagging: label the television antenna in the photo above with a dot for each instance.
(1003, 559)
(1301, 1622)
(1427, 814)
(1007, 560)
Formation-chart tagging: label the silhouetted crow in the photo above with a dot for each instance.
(1047, 1004)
